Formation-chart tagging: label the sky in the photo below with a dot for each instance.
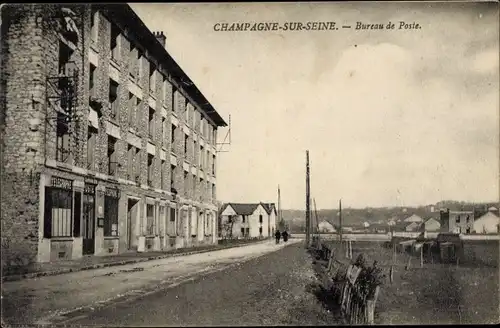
(390, 117)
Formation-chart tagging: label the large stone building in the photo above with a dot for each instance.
(107, 145)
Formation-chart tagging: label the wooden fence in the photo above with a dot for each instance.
(356, 300)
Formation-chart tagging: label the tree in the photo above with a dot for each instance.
(227, 226)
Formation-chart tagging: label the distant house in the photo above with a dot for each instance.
(430, 224)
(488, 223)
(366, 225)
(412, 227)
(248, 220)
(457, 221)
(413, 218)
(325, 226)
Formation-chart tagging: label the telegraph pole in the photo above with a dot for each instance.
(308, 198)
(340, 223)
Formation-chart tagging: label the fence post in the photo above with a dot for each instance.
(422, 256)
(408, 264)
(370, 307)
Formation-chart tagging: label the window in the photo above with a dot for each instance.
(172, 176)
(132, 61)
(130, 163)
(467, 230)
(131, 109)
(172, 214)
(150, 169)
(150, 216)
(243, 218)
(91, 80)
(163, 130)
(137, 167)
(467, 219)
(201, 188)
(185, 144)
(112, 160)
(201, 125)
(136, 110)
(213, 164)
(58, 214)
(195, 154)
(194, 180)
(186, 186)
(115, 42)
(111, 212)
(62, 139)
(139, 64)
(113, 99)
(260, 218)
(260, 231)
(213, 191)
(94, 26)
(243, 232)
(174, 98)
(457, 219)
(161, 216)
(152, 78)
(202, 157)
(91, 141)
(163, 170)
(151, 123)
(187, 109)
(247, 232)
(172, 135)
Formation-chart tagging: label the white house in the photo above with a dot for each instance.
(325, 226)
(413, 226)
(488, 223)
(430, 224)
(248, 220)
(413, 218)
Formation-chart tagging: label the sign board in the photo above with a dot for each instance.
(61, 183)
(100, 222)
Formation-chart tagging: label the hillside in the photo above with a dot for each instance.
(355, 217)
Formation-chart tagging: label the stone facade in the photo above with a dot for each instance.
(110, 150)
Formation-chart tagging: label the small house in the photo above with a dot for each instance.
(488, 223)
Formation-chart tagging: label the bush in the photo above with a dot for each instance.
(369, 277)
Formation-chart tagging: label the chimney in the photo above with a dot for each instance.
(160, 37)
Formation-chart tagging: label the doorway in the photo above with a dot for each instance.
(132, 212)
(88, 224)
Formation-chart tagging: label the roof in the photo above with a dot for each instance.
(413, 218)
(248, 208)
(269, 207)
(488, 215)
(241, 209)
(124, 15)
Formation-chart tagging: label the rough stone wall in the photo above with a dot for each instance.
(22, 98)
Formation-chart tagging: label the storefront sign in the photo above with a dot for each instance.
(89, 188)
(61, 183)
(100, 222)
(112, 192)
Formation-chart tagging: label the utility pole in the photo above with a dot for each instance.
(340, 224)
(308, 198)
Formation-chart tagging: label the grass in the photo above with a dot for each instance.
(434, 293)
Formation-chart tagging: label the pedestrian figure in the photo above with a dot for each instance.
(278, 236)
(285, 236)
